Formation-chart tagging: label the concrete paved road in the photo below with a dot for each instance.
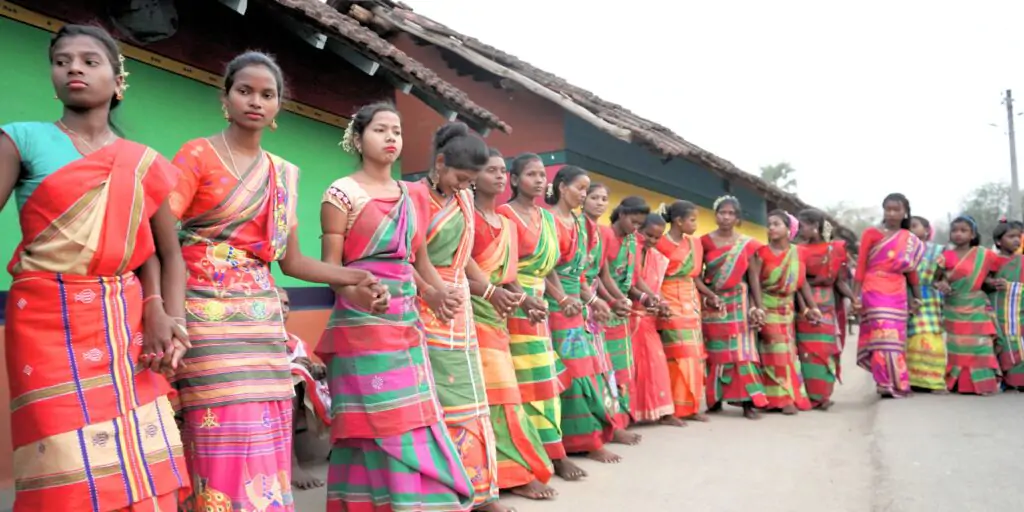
(924, 454)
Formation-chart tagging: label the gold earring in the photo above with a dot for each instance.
(227, 117)
(119, 95)
(273, 124)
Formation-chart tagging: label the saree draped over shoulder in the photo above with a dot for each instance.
(734, 373)
(652, 393)
(236, 391)
(538, 369)
(92, 431)
(392, 451)
(782, 275)
(819, 345)
(621, 257)
(926, 347)
(520, 454)
(972, 366)
(584, 415)
(453, 348)
(1009, 310)
(681, 335)
(884, 262)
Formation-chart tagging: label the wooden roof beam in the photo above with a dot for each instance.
(360, 61)
(308, 34)
(446, 112)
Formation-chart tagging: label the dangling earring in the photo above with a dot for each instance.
(119, 95)
(551, 190)
(273, 125)
(227, 117)
(55, 96)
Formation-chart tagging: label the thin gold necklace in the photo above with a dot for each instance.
(110, 137)
(234, 167)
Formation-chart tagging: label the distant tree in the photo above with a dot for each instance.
(987, 204)
(781, 175)
(856, 218)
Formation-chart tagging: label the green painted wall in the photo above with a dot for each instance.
(164, 110)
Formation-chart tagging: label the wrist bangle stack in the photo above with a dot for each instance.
(564, 300)
(489, 292)
(592, 299)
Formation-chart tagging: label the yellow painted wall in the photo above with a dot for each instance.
(705, 217)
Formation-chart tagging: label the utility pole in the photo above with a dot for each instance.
(1015, 205)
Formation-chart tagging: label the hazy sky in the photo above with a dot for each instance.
(863, 98)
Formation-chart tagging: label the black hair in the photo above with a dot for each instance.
(813, 216)
(1005, 227)
(596, 185)
(730, 200)
(678, 209)
(362, 119)
(567, 174)
(253, 58)
(630, 205)
(964, 219)
(518, 164)
(782, 215)
(902, 199)
(654, 219)
(110, 47)
(924, 222)
(493, 152)
(460, 148)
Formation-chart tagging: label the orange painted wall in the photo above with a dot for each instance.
(537, 124)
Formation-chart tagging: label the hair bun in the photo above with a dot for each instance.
(448, 132)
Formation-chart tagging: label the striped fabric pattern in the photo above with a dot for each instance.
(781, 276)
(926, 346)
(819, 344)
(970, 329)
(1009, 310)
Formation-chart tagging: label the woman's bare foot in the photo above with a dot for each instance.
(301, 479)
(535, 490)
(790, 410)
(495, 506)
(826, 405)
(671, 421)
(620, 436)
(750, 413)
(568, 470)
(715, 408)
(604, 456)
(703, 418)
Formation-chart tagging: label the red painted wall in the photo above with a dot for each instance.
(537, 124)
(210, 35)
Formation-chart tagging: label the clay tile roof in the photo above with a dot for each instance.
(607, 116)
(364, 40)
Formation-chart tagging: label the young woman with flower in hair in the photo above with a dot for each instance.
(734, 372)
(926, 345)
(392, 448)
(820, 343)
(684, 292)
(972, 367)
(886, 268)
(88, 331)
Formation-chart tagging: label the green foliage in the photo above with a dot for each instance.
(781, 175)
(986, 204)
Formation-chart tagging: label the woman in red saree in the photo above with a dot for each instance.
(781, 267)
(820, 343)
(1008, 303)
(237, 205)
(92, 209)
(680, 331)
(652, 390)
(887, 264)
(734, 370)
(523, 466)
(971, 367)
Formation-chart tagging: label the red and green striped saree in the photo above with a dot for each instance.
(820, 344)
(538, 369)
(782, 275)
(681, 335)
(734, 373)
(970, 331)
(621, 256)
